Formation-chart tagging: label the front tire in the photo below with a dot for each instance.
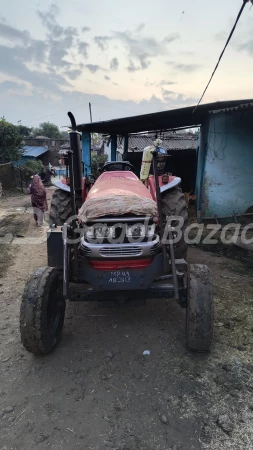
(173, 204)
(200, 309)
(60, 209)
(42, 311)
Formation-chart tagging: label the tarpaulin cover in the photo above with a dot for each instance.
(117, 205)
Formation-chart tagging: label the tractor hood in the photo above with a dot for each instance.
(117, 193)
(118, 183)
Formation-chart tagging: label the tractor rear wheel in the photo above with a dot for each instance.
(60, 209)
(42, 311)
(173, 204)
(200, 309)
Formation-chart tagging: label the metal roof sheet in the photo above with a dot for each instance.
(171, 141)
(174, 118)
(33, 151)
(241, 107)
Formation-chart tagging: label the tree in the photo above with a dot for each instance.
(64, 135)
(10, 142)
(96, 162)
(24, 131)
(47, 129)
(33, 166)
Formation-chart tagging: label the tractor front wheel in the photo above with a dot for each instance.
(42, 311)
(200, 309)
(173, 204)
(60, 207)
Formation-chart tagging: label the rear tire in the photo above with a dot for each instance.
(173, 204)
(42, 311)
(60, 209)
(200, 309)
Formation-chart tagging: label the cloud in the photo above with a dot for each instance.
(82, 48)
(60, 40)
(103, 108)
(73, 74)
(187, 53)
(167, 93)
(107, 78)
(160, 83)
(58, 50)
(13, 64)
(55, 30)
(48, 20)
(93, 68)
(8, 85)
(102, 41)
(246, 46)
(84, 29)
(10, 33)
(114, 64)
(221, 36)
(178, 100)
(140, 27)
(132, 67)
(141, 48)
(184, 67)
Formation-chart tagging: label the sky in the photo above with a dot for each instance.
(124, 57)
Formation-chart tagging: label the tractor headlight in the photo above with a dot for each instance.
(99, 232)
(104, 232)
(150, 230)
(140, 230)
(89, 232)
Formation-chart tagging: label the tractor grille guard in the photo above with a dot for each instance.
(99, 251)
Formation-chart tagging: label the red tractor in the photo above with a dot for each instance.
(118, 241)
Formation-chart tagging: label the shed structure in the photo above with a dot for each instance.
(223, 181)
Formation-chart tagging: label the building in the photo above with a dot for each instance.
(223, 181)
(53, 146)
(181, 147)
(35, 152)
(224, 184)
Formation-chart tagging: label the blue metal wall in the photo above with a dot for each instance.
(224, 182)
(86, 153)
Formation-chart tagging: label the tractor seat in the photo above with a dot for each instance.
(117, 165)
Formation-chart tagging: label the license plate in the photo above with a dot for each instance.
(119, 277)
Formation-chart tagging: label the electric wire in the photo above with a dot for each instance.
(222, 53)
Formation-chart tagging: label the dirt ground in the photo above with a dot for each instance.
(97, 390)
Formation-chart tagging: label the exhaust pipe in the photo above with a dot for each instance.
(77, 160)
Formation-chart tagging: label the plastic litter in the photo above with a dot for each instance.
(146, 352)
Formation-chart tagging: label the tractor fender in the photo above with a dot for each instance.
(60, 185)
(171, 185)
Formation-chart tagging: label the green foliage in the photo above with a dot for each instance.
(24, 131)
(10, 142)
(47, 129)
(96, 162)
(96, 138)
(33, 166)
(64, 135)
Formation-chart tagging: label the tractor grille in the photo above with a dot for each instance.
(155, 248)
(121, 251)
(85, 250)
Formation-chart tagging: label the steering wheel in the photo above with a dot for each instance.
(117, 165)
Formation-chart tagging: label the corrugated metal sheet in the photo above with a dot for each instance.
(163, 120)
(242, 107)
(170, 142)
(33, 152)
